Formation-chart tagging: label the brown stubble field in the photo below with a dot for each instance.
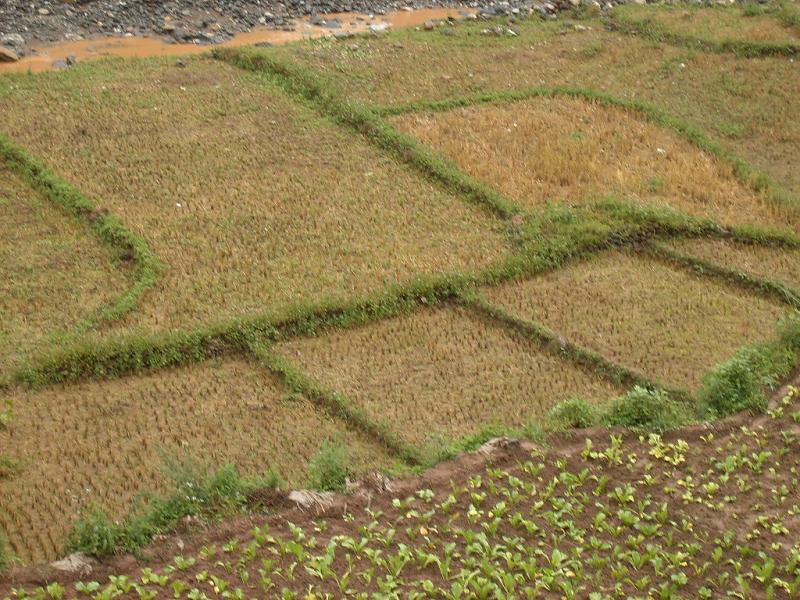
(305, 198)
(750, 23)
(442, 374)
(748, 103)
(672, 325)
(778, 264)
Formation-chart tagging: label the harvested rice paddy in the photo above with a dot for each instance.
(749, 104)
(104, 443)
(781, 265)
(55, 275)
(670, 324)
(573, 150)
(255, 203)
(443, 374)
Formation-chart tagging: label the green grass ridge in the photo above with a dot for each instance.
(649, 29)
(126, 245)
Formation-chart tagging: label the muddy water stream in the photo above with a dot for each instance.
(100, 47)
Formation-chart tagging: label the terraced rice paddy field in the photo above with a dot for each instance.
(311, 262)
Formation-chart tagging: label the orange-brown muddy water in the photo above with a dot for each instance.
(154, 46)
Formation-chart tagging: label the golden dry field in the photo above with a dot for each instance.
(104, 443)
(441, 374)
(54, 274)
(253, 202)
(672, 325)
(575, 151)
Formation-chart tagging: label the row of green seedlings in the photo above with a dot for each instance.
(547, 525)
(649, 29)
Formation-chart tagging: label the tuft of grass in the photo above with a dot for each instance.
(643, 409)
(329, 468)
(574, 413)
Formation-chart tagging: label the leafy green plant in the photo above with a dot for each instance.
(329, 468)
(94, 534)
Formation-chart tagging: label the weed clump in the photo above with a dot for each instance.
(574, 413)
(643, 409)
(741, 383)
(199, 493)
(94, 534)
(329, 468)
(734, 386)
